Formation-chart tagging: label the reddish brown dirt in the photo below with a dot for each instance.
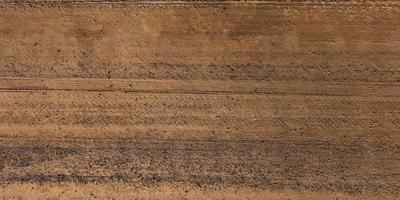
(194, 99)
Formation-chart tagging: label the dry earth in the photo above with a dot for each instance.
(278, 99)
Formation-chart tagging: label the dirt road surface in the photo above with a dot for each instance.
(279, 99)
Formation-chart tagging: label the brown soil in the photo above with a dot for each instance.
(199, 99)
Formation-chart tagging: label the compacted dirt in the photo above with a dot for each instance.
(200, 99)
